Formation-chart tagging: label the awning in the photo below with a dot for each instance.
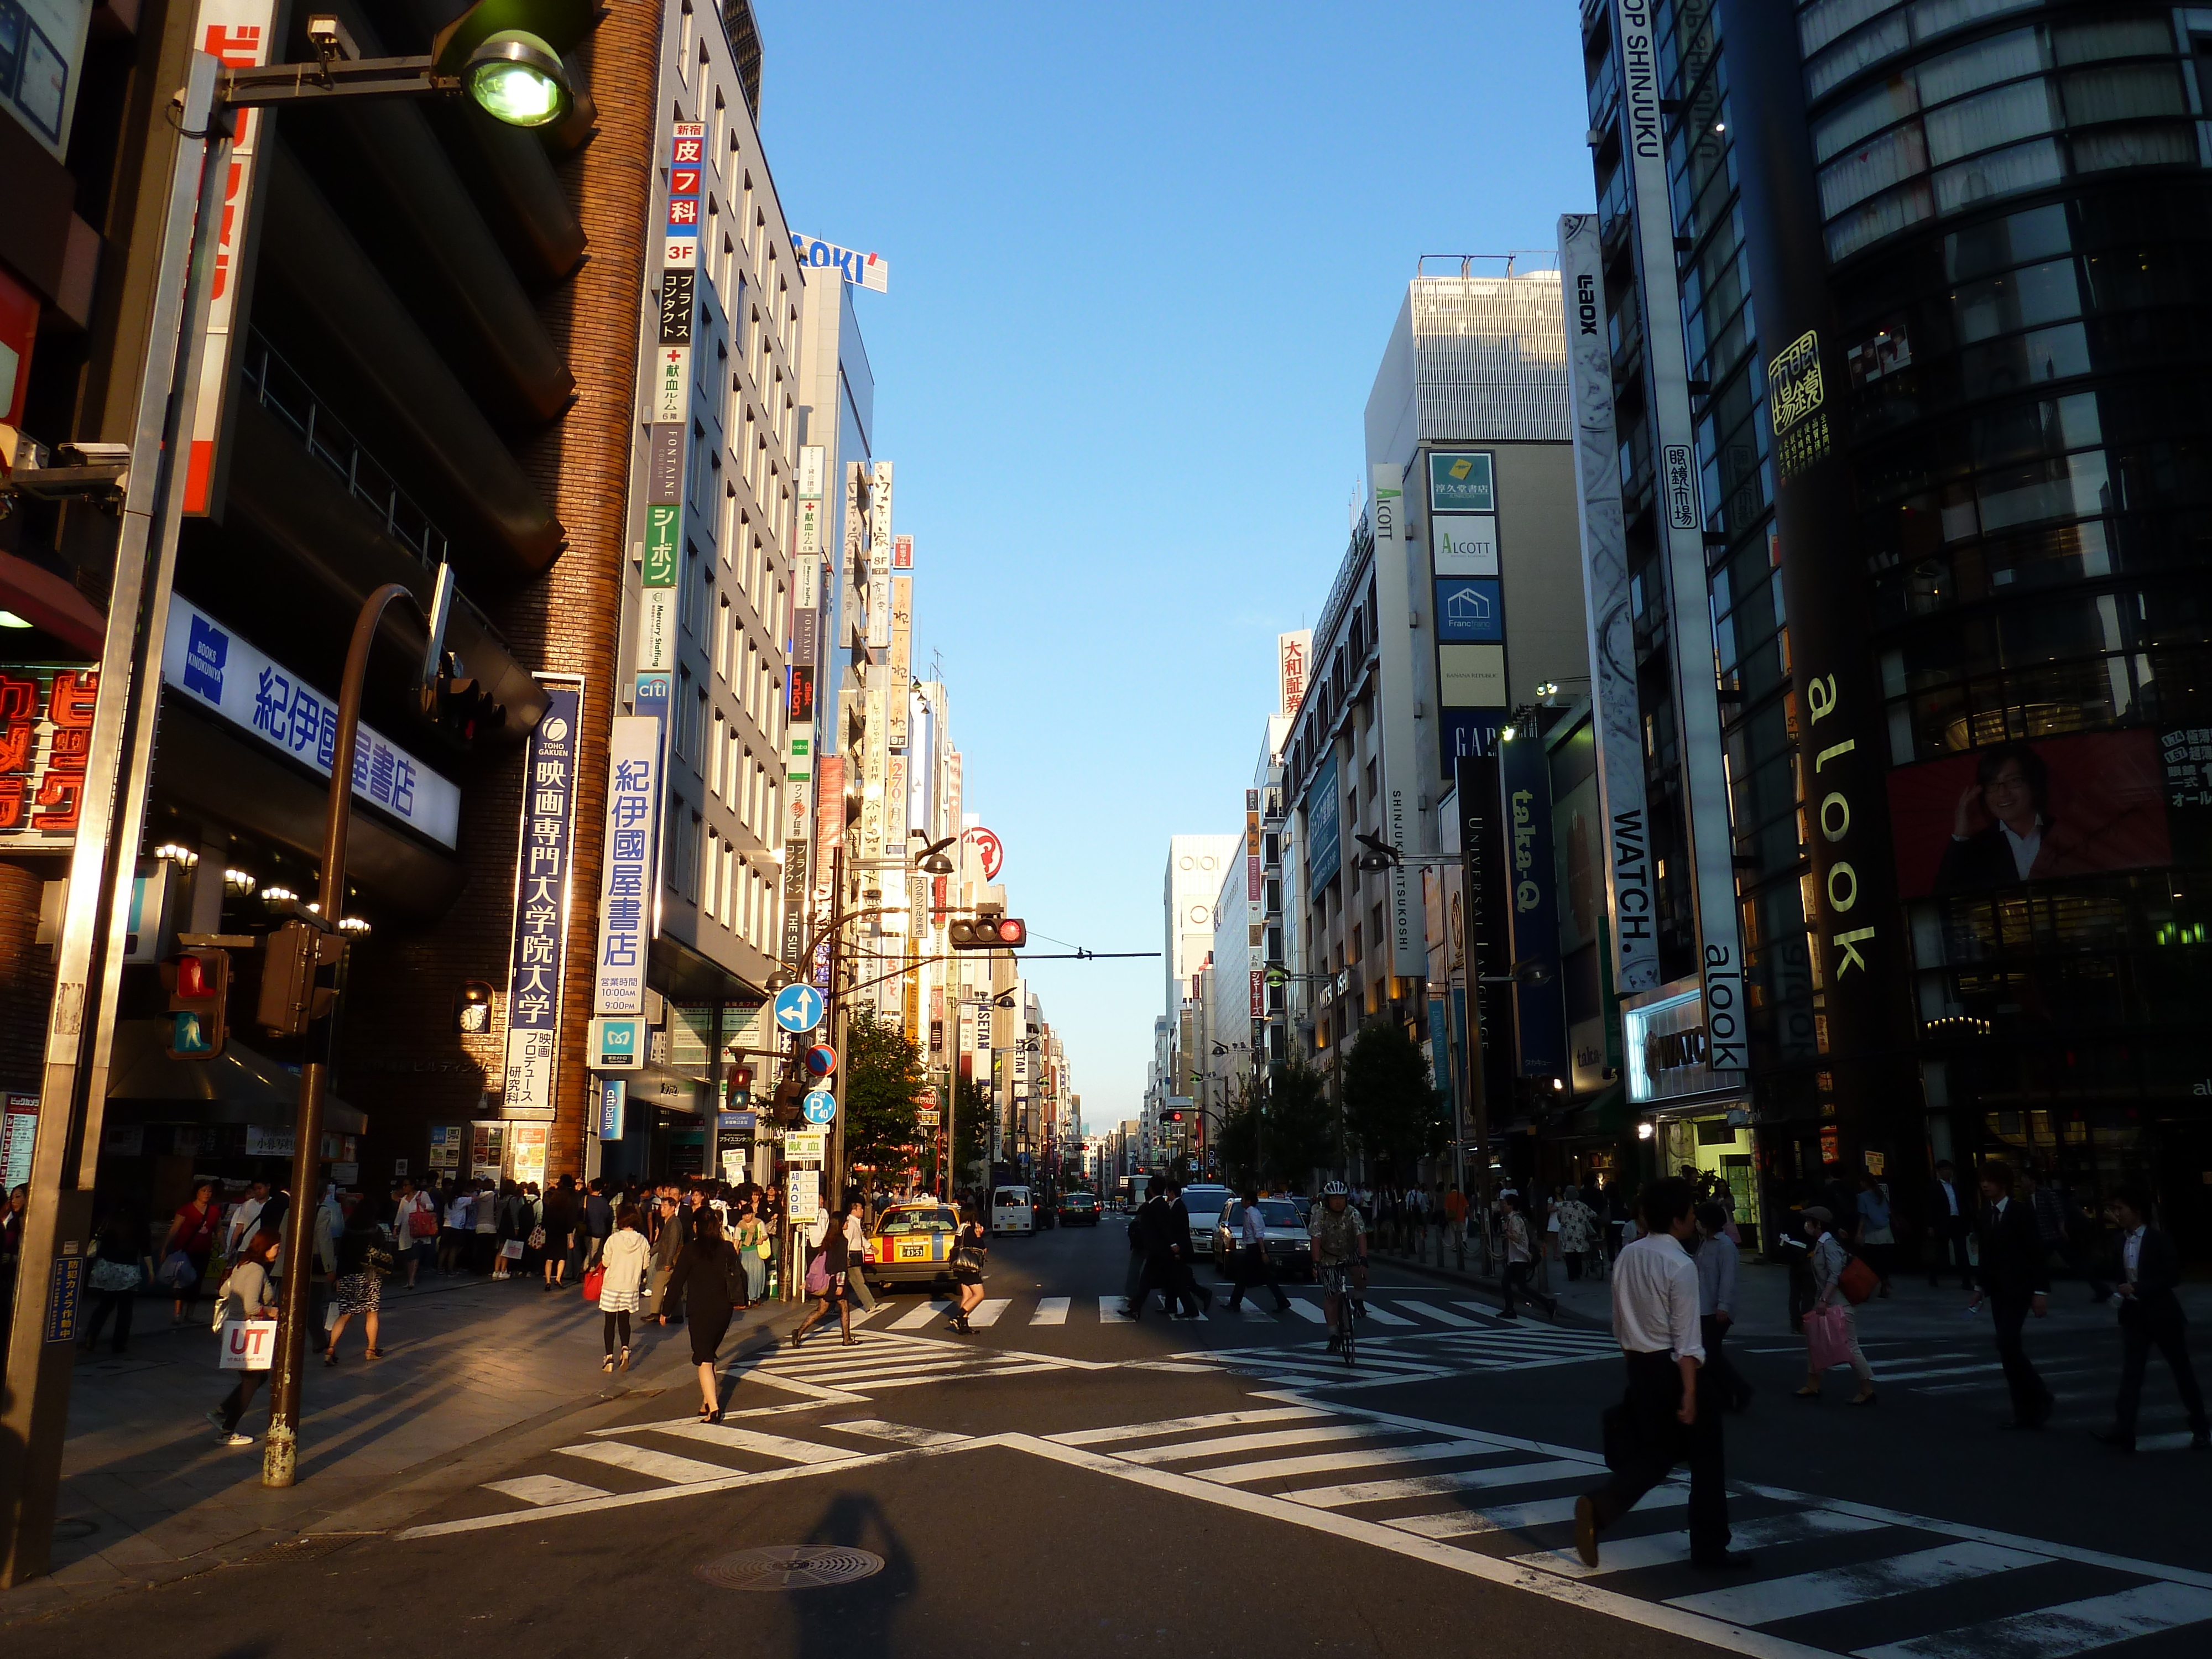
(52, 603)
(237, 1087)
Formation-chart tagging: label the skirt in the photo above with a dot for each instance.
(359, 1293)
(707, 1335)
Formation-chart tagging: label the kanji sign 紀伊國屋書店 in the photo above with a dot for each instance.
(626, 879)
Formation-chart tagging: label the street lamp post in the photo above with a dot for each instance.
(516, 74)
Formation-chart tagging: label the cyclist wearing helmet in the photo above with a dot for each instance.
(1340, 1239)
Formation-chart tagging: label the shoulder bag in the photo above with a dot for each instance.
(1857, 1281)
(817, 1276)
(421, 1223)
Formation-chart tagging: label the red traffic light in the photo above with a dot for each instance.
(988, 933)
(1013, 932)
(192, 977)
(1175, 1117)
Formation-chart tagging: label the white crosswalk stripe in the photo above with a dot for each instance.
(643, 1459)
(988, 1311)
(1261, 1440)
(1050, 1310)
(919, 1315)
(2057, 1632)
(752, 1440)
(1841, 1587)
(544, 1489)
(1659, 1549)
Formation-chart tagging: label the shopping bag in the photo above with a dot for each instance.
(594, 1281)
(422, 1224)
(176, 1271)
(1827, 1341)
(248, 1345)
(512, 1249)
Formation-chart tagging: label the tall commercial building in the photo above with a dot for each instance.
(1456, 599)
(1891, 301)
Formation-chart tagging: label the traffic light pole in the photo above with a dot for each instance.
(280, 1452)
(103, 860)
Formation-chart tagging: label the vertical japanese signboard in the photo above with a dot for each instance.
(1400, 763)
(626, 876)
(879, 558)
(240, 33)
(667, 405)
(1293, 655)
(902, 657)
(687, 160)
(537, 950)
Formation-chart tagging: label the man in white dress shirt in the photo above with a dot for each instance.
(1663, 1419)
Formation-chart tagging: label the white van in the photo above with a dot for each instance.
(1011, 1211)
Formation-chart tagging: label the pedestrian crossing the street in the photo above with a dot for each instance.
(1828, 1577)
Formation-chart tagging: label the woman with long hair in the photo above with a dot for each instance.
(621, 1282)
(830, 1257)
(970, 1246)
(364, 1258)
(250, 1292)
(750, 1234)
(708, 1279)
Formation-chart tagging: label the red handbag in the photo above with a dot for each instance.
(592, 1281)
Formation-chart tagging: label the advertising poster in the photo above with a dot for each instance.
(2027, 812)
(538, 946)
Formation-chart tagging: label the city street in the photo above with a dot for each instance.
(1066, 1480)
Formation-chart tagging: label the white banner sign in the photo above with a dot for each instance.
(213, 668)
(868, 270)
(626, 875)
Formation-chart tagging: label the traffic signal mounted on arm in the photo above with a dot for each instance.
(988, 933)
(290, 999)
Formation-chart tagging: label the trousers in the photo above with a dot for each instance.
(2137, 1339)
(1253, 1270)
(1727, 1383)
(1656, 1441)
(2031, 1398)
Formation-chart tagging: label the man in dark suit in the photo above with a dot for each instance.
(2150, 1316)
(1183, 1284)
(1949, 1208)
(1165, 1227)
(2016, 1280)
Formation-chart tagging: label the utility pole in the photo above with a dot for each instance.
(103, 862)
(279, 1451)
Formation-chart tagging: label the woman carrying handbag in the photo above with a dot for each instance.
(826, 1281)
(970, 1246)
(1831, 1335)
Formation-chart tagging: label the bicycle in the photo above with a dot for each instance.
(1336, 1280)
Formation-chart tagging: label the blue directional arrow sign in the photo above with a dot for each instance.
(820, 1106)
(799, 1008)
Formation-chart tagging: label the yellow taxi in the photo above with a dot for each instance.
(912, 1244)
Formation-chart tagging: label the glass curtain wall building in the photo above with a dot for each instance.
(1943, 281)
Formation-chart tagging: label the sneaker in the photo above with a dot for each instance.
(237, 1440)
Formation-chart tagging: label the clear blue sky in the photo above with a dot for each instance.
(1143, 262)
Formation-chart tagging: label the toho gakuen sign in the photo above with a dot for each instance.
(868, 270)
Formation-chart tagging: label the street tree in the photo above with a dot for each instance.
(883, 1075)
(1390, 1106)
(1299, 1125)
(972, 1133)
(1237, 1146)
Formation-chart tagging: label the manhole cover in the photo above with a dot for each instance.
(790, 1566)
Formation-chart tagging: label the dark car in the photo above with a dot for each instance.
(1078, 1210)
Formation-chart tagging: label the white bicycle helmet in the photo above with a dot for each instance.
(1333, 1189)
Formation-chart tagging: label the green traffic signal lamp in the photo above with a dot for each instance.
(519, 80)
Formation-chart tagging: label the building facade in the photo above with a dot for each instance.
(1929, 315)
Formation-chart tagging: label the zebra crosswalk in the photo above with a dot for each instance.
(1828, 1577)
(1434, 1311)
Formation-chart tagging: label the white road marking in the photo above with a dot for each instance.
(655, 1466)
(1664, 1549)
(905, 1433)
(1275, 1468)
(1888, 1375)
(1424, 1485)
(1483, 1308)
(1051, 1310)
(1517, 1517)
(544, 1489)
(1309, 1310)
(1382, 1316)
(752, 1440)
(1179, 1424)
(1430, 1310)
(988, 1311)
(918, 1315)
(1109, 1312)
(1867, 1581)
(1263, 1440)
(2056, 1632)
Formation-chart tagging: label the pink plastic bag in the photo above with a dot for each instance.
(1827, 1338)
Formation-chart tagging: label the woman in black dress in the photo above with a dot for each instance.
(970, 1246)
(708, 1278)
(834, 1257)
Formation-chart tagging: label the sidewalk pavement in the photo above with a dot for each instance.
(1911, 1310)
(476, 1371)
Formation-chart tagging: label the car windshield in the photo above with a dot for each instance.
(1012, 1197)
(1080, 1200)
(919, 1221)
(1278, 1212)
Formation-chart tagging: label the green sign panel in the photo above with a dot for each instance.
(1460, 483)
(661, 523)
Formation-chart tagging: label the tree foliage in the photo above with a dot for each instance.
(883, 1074)
(1390, 1107)
(1236, 1148)
(971, 1135)
(1298, 1125)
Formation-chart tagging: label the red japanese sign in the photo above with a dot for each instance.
(46, 740)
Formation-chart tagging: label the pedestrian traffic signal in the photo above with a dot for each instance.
(989, 933)
(291, 1000)
(788, 1093)
(198, 982)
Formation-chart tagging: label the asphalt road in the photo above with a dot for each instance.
(1064, 1481)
